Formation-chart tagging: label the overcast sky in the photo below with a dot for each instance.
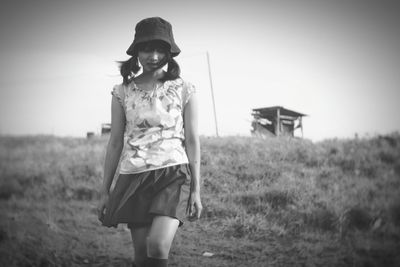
(336, 61)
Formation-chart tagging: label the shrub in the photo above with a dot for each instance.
(9, 188)
(355, 218)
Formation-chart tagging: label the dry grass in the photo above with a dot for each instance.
(268, 202)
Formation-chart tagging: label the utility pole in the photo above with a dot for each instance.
(212, 94)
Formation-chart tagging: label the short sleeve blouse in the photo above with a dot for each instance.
(118, 92)
(154, 132)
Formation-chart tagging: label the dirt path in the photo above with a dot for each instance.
(59, 233)
(68, 234)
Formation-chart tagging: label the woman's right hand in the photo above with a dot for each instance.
(101, 206)
(195, 206)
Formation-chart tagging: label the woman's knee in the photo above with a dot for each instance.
(158, 248)
(161, 235)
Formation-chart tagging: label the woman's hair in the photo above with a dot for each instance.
(130, 68)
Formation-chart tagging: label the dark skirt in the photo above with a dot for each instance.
(137, 198)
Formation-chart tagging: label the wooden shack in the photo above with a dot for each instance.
(105, 128)
(276, 121)
(89, 135)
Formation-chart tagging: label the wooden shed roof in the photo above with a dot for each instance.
(271, 111)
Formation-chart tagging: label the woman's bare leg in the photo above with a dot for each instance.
(161, 235)
(139, 238)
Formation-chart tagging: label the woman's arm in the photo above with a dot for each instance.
(115, 144)
(192, 144)
(113, 153)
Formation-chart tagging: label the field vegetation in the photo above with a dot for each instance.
(267, 202)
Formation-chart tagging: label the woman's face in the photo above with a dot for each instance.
(153, 55)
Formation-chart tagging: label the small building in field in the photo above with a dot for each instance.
(89, 135)
(276, 121)
(105, 128)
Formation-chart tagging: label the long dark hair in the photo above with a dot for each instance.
(130, 68)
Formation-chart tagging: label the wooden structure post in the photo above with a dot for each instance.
(278, 122)
(301, 126)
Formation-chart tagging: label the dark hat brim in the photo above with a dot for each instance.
(174, 49)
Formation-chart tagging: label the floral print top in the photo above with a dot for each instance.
(154, 133)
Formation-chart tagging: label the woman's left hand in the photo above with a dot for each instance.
(101, 205)
(195, 206)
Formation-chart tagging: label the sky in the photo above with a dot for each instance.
(336, 61)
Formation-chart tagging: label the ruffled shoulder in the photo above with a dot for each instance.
(188, 89)
(119, 92)
(174, 83)
(185, 88)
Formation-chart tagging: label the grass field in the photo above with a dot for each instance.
(267, 202)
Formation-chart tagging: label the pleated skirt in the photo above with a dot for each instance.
(137, 198)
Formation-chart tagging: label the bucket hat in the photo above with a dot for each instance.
(154, 28)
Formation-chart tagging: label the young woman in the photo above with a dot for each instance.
(154, 136)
